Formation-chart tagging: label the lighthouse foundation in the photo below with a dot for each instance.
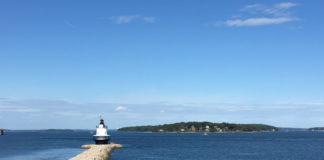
(102, 139)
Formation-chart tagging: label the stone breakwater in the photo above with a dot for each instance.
(96, 152)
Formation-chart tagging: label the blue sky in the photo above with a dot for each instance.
(135, 62)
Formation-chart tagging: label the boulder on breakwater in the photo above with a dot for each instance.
(96, 152)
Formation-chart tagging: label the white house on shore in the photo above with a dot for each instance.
(207, 128)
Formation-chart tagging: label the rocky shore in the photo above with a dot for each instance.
(96, 152)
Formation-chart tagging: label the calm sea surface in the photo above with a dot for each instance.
(43, 145)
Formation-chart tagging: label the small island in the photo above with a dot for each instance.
(1, 132)
(201, 127)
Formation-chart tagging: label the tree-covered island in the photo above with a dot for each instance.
(201, 127)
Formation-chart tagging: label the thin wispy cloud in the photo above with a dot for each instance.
(120, 108)
(258, 21)
(18, 109)
(132, 18)
(259, 15)
(252, 7)
(285, 5)
(279, 9)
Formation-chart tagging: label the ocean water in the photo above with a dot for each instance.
(43, 145)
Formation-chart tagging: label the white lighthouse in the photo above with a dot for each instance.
(101, 136)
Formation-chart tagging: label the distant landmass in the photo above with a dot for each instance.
(201, 127)
(59, 130)
(283, 129)
(316, 129)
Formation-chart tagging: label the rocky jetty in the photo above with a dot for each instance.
(96, 152)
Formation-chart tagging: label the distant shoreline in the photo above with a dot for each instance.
(60, 130)
(316, 129)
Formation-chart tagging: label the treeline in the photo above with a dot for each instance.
(201, 127)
